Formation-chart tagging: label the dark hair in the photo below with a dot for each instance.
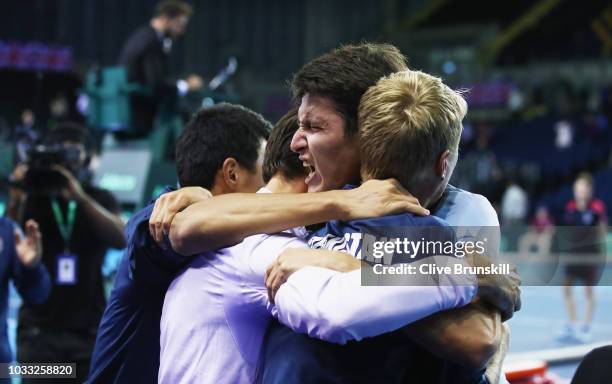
(173, 8)
(215, 134)
(68, 131)
(279, 157)
(344, 74)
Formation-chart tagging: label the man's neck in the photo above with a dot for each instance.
(428, 193)
(279, 184)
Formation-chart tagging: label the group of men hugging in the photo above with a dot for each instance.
(219, 284)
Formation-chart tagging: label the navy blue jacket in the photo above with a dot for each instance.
(33, 284)
(291, 357)
(127, 343)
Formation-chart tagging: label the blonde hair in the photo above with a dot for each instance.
(405, 122)
(586, 177)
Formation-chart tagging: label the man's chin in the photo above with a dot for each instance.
(319, 185)
(315, 183)
(315, 188)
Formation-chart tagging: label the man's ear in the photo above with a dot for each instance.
(443, 164)
(231, 173)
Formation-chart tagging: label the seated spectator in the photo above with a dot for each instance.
(539, 235)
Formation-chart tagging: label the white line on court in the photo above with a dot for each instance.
(558, 355)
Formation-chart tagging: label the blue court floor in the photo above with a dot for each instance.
(543, 317)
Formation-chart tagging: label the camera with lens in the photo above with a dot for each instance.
(41, 177)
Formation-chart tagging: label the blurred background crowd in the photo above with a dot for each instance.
(538, 73)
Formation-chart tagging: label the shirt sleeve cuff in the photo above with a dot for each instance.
(38, 270)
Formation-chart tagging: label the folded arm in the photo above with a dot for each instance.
(471, 336)
(226, 220)
(335, 307)
(106, 223)
(468, 336)
(105, 220)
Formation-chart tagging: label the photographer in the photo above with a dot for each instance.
(78, 223)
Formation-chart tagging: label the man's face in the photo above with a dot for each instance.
(252, 180)
(331, 157)
(582, 191)
(175, 26)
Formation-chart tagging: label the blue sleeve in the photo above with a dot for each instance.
(33, 284)
(148, 262)
(428, 229)
(340, 236)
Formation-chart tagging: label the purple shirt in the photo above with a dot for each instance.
(216, 313)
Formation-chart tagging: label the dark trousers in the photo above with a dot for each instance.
(35, 345)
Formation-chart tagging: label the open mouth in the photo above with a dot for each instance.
(313, 178)
(311, 172)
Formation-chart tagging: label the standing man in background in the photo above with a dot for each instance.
(78, 223)
(145, 56)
